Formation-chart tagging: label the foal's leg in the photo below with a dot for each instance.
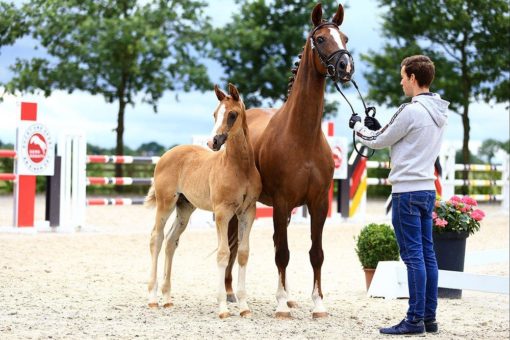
(280, 221)
(318, 213)
(223, 215)
(164, 209)
(233, 245)
(245, 224)
(184, 211)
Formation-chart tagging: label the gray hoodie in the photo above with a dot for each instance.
(414, 135)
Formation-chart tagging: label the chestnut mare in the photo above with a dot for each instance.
(226, 182)
(293, 155)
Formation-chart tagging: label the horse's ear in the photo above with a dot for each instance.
(232, 90)
(219, 93)
(317, 14)
(339, 15)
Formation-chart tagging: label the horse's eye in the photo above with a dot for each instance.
(320, 40)
(232, 116)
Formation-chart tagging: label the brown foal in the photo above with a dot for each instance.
(293, 156)
(225, 182)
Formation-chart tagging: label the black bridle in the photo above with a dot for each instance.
(367, 113)
(328, 61)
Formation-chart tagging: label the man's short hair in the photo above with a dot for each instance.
(422, 68)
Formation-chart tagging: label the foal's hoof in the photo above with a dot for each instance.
(231, 298)
(318, 315)
(292, 304)
(245, 314)
(168, 305)
(153, 305)
(224, 315)
(283, 316)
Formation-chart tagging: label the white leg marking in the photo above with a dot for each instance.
(317, 301)
(281, 298)
(222, 294)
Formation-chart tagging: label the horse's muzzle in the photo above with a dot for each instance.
(342, 68)
(218, 141)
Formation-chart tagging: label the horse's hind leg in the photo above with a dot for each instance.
(164, 210)
(184, 211)
(233, 245)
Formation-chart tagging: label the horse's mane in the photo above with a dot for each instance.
(294, 71)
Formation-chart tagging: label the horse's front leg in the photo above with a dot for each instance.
(318, 213)
(233, 244)
(245, 224)
(222, 216)
(280, 221)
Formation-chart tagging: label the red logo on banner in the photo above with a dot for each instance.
(337, 157)
(37, 147)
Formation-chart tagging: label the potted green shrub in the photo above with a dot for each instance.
(375, 242)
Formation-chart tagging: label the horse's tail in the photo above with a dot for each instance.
(150, 199)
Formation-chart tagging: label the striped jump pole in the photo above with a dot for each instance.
(115, 201)
(352, 191)
(7, 154)
(119, 181)
(104, 159)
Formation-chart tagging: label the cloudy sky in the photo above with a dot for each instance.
(178, 120)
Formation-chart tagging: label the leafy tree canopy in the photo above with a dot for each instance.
(464, 39)
(115, 48)
(259, 45)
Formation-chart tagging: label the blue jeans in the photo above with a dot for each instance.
(412, 221)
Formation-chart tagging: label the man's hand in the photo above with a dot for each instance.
(372, 123)
(354, 119)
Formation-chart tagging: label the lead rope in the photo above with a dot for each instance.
(367, 112)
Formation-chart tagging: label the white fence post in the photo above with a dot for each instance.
(72, 149)
(447, 160)
(505, 190)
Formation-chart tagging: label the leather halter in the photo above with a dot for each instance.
(326, 61)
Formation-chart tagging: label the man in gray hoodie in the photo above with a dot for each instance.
(414, 135)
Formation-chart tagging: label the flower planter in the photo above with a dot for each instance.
(369, 275)
(450, 249)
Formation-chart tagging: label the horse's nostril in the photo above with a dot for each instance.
(343, 65)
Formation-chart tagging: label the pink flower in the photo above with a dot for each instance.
(456, 198)
(478, 215)
(469, 200)
(466, 208)
(434, 215)
(440, 222)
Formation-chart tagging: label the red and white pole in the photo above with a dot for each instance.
(24, 191)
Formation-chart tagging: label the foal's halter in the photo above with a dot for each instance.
(328, 61)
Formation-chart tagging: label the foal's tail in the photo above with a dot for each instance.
(150, 199)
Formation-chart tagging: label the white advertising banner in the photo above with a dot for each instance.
(339, 149)
(35, 149)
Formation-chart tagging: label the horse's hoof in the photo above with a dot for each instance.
(153, 305)
(283, 316)
(317, 315)
(168, 305)
(231, 298)
(246, 314)
(292, 304)
(224, 315)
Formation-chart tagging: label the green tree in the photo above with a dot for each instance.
(489, 148)
(151, 149)
(12, 24)
(115, 48)
(465, 40)
(259, 45)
